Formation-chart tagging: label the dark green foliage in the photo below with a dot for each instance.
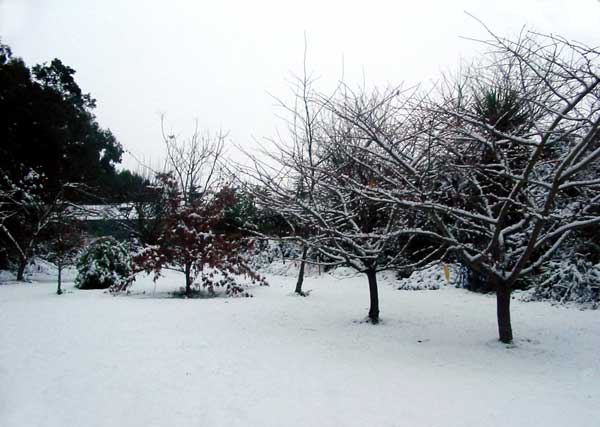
(120, 229)
(126, 186)
(249, 217)
(271, 223)
(47, 124)
(104, 263)
(48, 130)
(501, 108)
(240, 213)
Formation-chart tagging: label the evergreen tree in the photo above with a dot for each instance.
(47, 124)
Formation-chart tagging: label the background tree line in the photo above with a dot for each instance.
(53, 154)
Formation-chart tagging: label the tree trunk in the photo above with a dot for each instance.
(301, 272)
(59, 289)
(503, 312)
(21, 269)
(188, 281)
(374, 309)
(319, 263)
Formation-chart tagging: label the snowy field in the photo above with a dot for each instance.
(87, 358)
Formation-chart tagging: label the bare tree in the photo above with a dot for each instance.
(65, 240)
(194, 162)
(361, 231)
(498, 165)
(290, 171)
(312, 184)
(507, 158)
(26, 214)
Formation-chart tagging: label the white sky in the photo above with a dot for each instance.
(217, 61)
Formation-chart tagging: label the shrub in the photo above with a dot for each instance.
(431, 277)
(570, 280)
(103, 264)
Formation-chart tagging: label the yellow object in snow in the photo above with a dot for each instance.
(446, 272)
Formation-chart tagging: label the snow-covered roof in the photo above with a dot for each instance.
(110, 211)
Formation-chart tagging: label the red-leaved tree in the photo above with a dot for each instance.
(193, 241)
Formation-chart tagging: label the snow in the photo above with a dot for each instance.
(429, 278)
(109, 211)
(87, 358)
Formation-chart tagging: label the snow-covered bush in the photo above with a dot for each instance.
(268, 251)
(573, 279)
(429, 278)
(103, 264)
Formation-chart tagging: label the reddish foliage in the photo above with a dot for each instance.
(190, 242)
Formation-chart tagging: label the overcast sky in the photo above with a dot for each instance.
(218, 61)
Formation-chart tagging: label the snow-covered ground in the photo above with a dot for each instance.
(87, 358)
